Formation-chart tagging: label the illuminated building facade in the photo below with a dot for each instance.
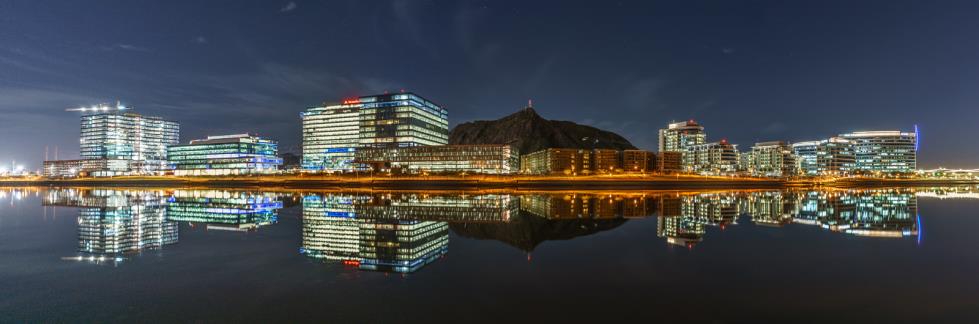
(557, 161)
(225, 155)
(677, 137)
(486, 159)
(333, 133)
(715, 158)
(773, 159)
(141, 141)
(832, 156)
(884, 151)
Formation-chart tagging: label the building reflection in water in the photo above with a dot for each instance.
(224, 210)
(380, 232)
(683, 219)
(403, 232)
(113, 223)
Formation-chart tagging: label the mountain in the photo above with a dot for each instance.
(529, 132)
(526, 231)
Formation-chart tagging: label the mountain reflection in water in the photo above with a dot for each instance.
(404, 231)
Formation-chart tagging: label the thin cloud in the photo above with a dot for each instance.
(199, 40)
(130, 47)
(289, 7)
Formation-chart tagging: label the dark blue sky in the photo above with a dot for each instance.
(748, 70)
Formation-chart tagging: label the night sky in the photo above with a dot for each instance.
(748, 70)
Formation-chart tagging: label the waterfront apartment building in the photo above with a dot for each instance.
(681, 137)
(238, 154)
(833, 156)
(716, 158)
(638, 161)
(669, 162)
(606, 161)
(772, 159)
(677, 137)
(884, 151)
(557, 161)
(333, 133)
(485, 159)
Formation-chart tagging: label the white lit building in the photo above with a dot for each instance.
(884, 151)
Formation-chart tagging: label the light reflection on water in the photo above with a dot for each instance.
(396, 232)
(403, 231)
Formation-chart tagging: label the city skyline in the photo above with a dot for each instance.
(749, 72)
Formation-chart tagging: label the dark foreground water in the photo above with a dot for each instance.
(883, 255)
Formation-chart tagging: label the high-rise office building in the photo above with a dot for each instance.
(332, 133)
(884, 151)
(225, 155)
(112, 133)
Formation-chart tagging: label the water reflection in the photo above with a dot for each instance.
(113, 223)
(403, 231)
(224, 210)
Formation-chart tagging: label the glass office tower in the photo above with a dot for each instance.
(884, 151)
(139, 140)
(332, 133)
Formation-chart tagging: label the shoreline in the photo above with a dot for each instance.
(484, 182)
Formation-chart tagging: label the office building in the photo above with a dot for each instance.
(225, 155)
(884, 151)
(716, 158)
(111, 133)
(773, 159)
(333, 133)
(485, 159)
(832, 156)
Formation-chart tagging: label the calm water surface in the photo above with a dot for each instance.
(84, 254)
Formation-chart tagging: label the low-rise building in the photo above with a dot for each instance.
(557, 161)
(486, 159)
(225, 155)
(85, 167)
(606, 161)
(638, 161)
(669, 162)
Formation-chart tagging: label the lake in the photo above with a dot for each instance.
(186, 255)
